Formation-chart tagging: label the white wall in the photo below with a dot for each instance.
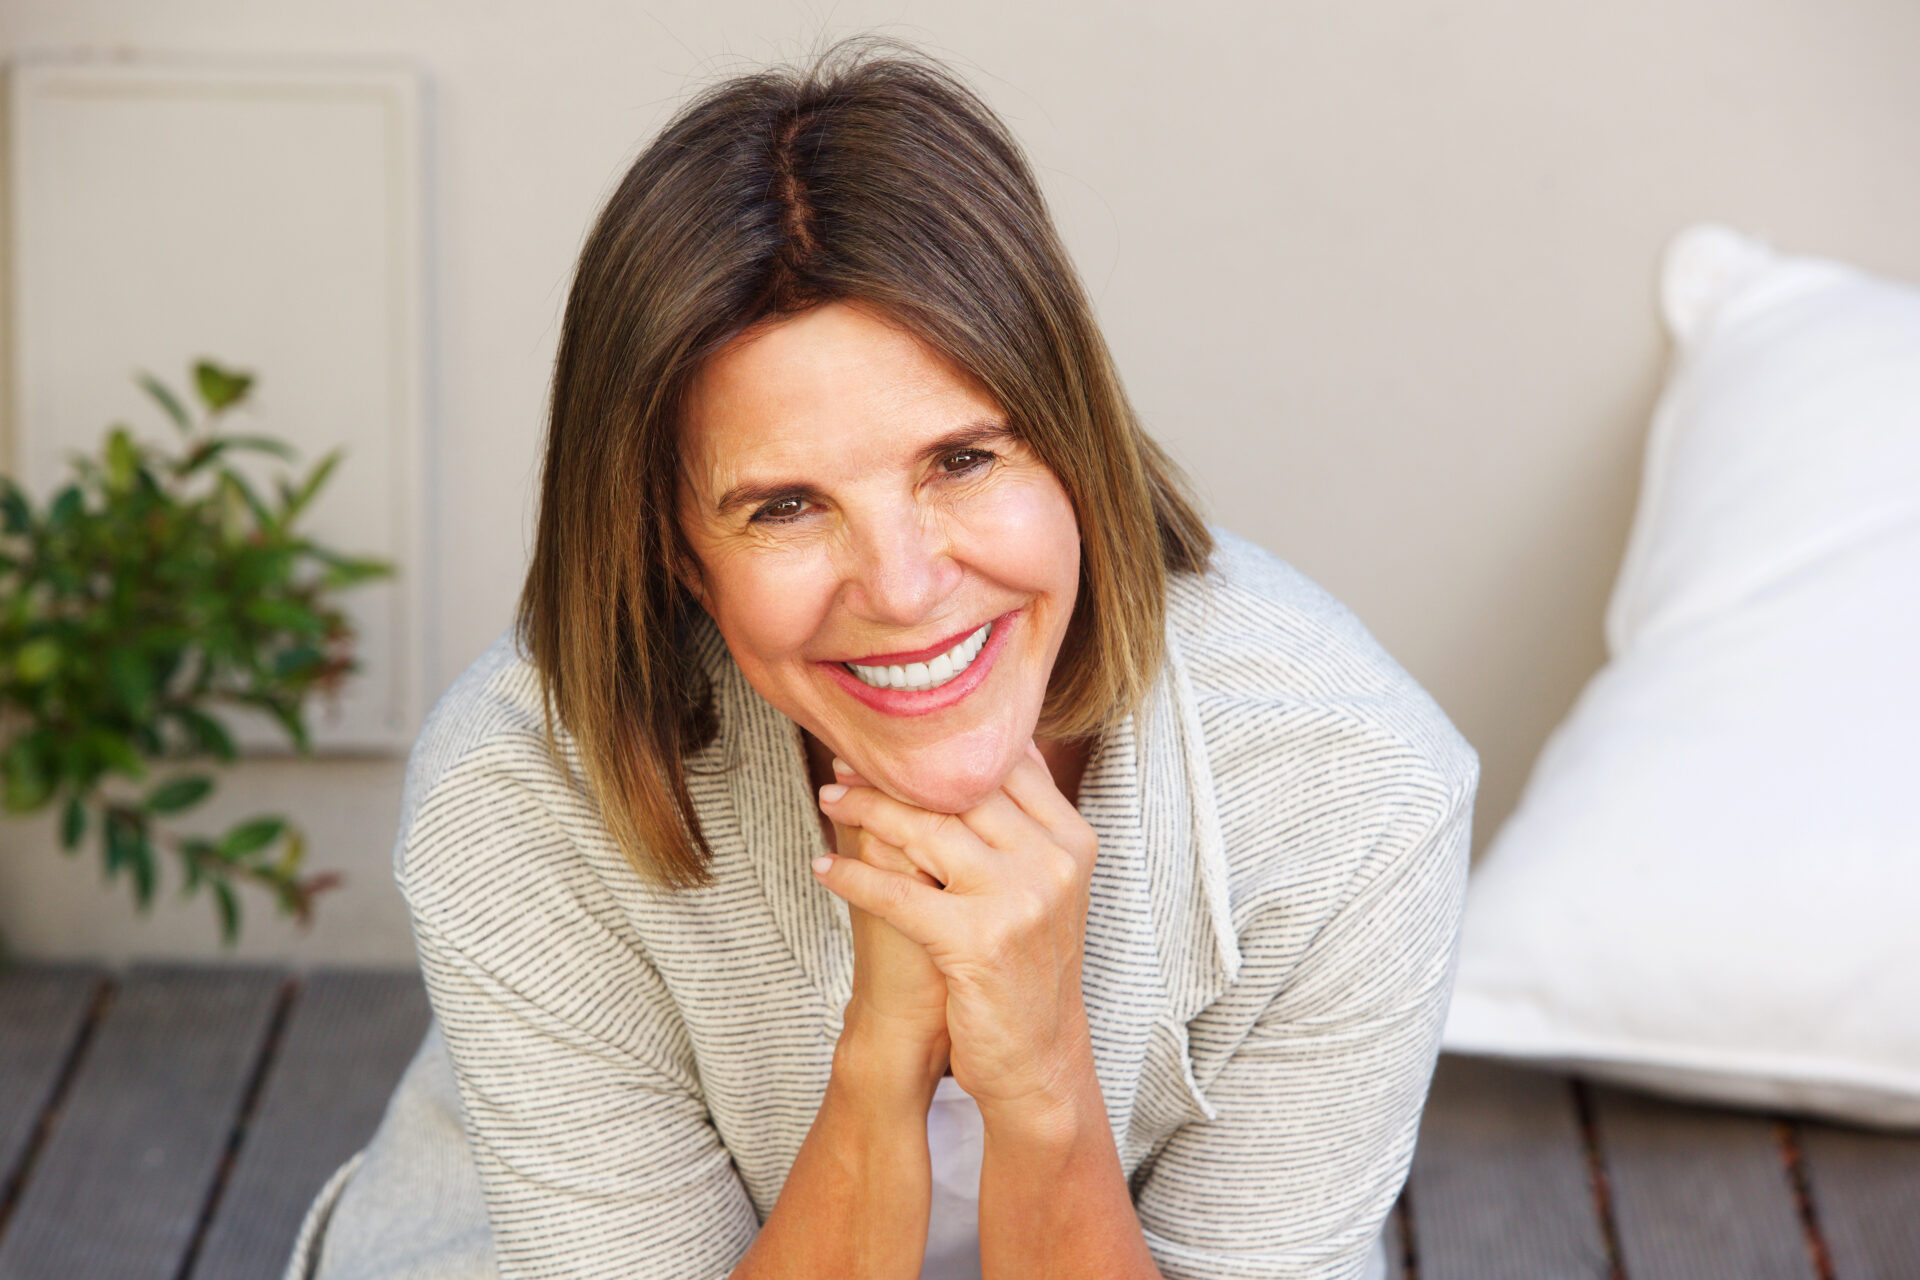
(1381, 274)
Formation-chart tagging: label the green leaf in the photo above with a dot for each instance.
(114, 751)
(37, 660)
(250, 837)
(73, 823)
(310, 486)
(29, 772)
(123, 460)
(120, 841)
(288, 714)
(218, 387)
(293, 854)
(167, 400)
(195, 855)
(234, 482)
(14, 504)
(67, 506)
(347, 570)
(141, 856)
(208, 732)
(178, 794)
(301, 658)
(131, 677)
(198, 456)
(286, 614)
(229, 911)
(262, 444)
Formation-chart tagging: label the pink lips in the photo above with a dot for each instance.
(916, 655)
(908, 702)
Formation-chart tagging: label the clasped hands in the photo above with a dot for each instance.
(972, 925)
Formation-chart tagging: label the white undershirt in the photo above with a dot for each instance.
(954, 1136)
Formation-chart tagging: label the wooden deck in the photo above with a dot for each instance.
(173, 1123)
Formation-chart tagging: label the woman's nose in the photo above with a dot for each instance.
(901, 569)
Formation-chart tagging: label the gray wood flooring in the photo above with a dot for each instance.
(173, 1123)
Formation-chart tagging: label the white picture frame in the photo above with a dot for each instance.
(270, 218)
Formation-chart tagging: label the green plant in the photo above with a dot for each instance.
(156, 586)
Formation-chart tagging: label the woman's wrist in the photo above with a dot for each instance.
(886, 1063)
(1062, 1102)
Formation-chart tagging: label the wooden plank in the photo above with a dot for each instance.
(118, 1190)
(1698, 1192)
(42, 1011)
(1865, 1189)
(348, 1039)
(1500, 1188)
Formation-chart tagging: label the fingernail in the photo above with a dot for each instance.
(831, 792)
(821, 863)
(841, 766)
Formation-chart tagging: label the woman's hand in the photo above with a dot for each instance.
(1006, 933)
(898, 992)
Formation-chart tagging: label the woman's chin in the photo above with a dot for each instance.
(938, 782)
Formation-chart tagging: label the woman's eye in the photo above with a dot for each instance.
(780, 510)
(965, 460)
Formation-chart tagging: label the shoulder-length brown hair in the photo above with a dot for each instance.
(873, 175)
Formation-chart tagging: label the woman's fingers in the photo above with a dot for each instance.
(1002, 824)
(1027, 809)
(998, 821)
(1030, 786)
(915, 909)
(853, 842)
(938, 843)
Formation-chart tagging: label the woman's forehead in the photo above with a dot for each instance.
(835, 375)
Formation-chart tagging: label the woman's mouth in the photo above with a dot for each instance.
(932, 680)
(922, 676)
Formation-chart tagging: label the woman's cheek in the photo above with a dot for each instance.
(1022, 533)
(775, 601)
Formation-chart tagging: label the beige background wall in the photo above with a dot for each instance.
(1382, 275)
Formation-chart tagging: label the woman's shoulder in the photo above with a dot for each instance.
(1327, 765)
(483, 741)
(495, 702)
(1260, 641)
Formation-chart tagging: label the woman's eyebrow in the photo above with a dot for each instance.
(755, 492)
(970, 436)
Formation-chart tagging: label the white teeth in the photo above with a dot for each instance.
(921, 676)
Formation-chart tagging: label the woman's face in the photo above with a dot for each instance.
(863, 522)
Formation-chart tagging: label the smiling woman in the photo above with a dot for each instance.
(805, 281)
(888, 561)
(897, 837)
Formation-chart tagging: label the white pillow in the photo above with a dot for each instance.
(1712, 881)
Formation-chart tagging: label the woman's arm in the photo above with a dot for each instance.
(856, 1200)
(580, 1092)
(857, 1197)
(1315, 1110)
(1008, 932)
(1313, 1114)
(1053, 1198)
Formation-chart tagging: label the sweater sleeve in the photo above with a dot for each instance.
(582, 1105)
(1316, 1111)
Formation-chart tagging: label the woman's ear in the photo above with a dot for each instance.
(686, 572)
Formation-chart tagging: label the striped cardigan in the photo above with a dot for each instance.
(1284, 829)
